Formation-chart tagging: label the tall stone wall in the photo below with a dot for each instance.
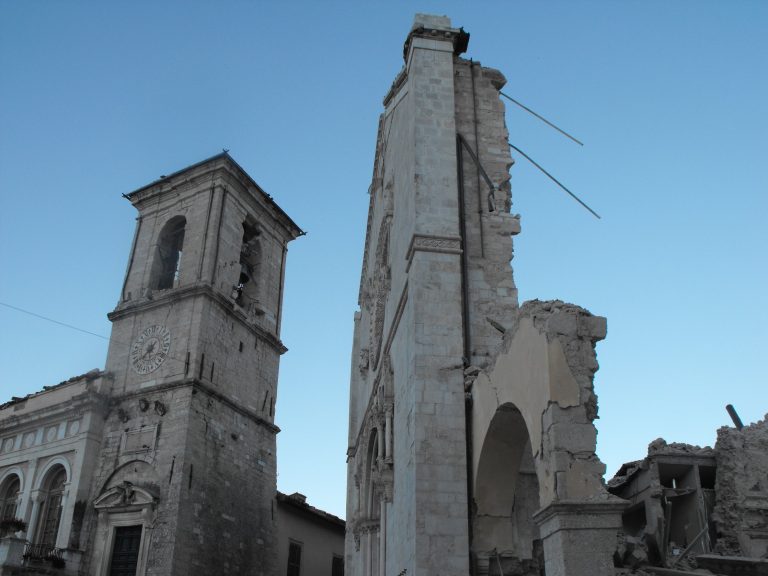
(437, 300)
(430, 282)
(227, 493)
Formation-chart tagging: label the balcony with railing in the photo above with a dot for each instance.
(43, 553)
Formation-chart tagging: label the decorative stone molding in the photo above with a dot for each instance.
(123, 505)
(428, 243)
(380, 291)
(363, 361)
(457, 37)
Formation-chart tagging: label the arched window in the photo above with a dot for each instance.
(166, 266)
(373, 495)
(48, 528)
(250, 267)
(9, 496)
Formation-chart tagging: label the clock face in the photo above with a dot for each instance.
(150, 349)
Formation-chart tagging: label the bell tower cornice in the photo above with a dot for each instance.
(147, 304)
(214, 170)
(436, 28)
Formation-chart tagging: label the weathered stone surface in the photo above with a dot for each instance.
(469, 378)
(741, 486)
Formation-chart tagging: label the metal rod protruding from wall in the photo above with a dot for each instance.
(540, 117)
(734, 416)
(492, 188)
(555, 180)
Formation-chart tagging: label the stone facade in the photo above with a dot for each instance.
(41, 435)
(445, 364)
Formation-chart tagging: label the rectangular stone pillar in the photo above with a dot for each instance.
(580, 536)
(11, 552)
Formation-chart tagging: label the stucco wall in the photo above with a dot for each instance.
(321, 539)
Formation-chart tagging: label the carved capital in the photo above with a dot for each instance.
(387, 483)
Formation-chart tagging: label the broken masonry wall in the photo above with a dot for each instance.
(544, 375)
(488, 226)
(546, 370)
(671, 495)
(741, 509)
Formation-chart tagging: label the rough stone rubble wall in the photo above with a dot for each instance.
(480, 120)
(741, 487)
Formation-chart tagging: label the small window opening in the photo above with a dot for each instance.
(250, 264)
(337, 566)
(707, 477)
(294, 559)
(166, 267)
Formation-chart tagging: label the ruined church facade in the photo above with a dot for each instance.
(471, 443)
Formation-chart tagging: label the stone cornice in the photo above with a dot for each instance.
(73, 407)
(456, 36)
(192, 291)
(429, 243)
(200, 174)
(400, 79)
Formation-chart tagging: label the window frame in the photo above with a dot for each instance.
(293, 568)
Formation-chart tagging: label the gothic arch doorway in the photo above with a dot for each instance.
(506, 496)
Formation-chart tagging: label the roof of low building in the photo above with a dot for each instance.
(299, 501)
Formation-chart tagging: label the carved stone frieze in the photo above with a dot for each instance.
(380, 291)
(427, 243)
(363, 361)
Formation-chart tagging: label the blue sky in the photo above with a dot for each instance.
(97, 99)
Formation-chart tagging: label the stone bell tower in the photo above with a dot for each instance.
(186, 477)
